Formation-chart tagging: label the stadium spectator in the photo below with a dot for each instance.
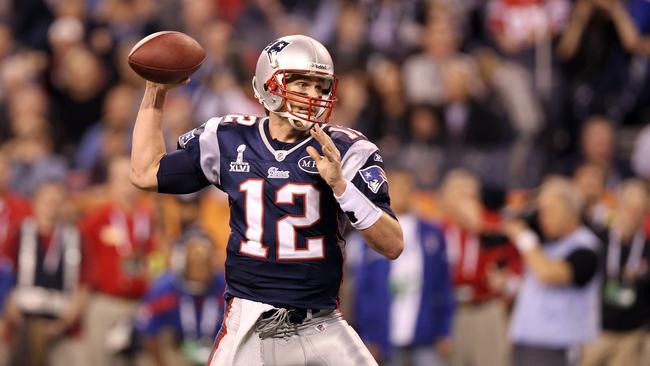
(512, 85)
(32, 155)
(440, 43)
(393, 27)
(45, 307)
(350, 48)
(593, 49)
(405, 307)
(13, 207)
(109, 136)
(423, 146)
(7, 280)
(181, 313)
(216, 88)
(557, 308)
(77, 101)
(477, 132)
(639, 159)
(119, 238)
(386, 109)
(598, 146)
(626, 291)
(524, 32)
(481, 313)
(589, 181)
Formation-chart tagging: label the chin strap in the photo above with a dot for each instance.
(295, 122)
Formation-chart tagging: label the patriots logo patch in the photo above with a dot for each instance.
(186, 137)
(374, 176)
(274, 48)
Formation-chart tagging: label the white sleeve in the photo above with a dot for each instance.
(356, 156)
(204, 149)
(210, 153)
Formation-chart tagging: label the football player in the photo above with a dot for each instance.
(292, 180)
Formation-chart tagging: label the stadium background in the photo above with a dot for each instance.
(510, 90)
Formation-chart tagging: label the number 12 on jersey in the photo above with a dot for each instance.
(287, 241)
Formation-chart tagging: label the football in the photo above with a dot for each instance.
(166, 57)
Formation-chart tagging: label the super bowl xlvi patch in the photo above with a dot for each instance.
(374, 176)
(239, 165)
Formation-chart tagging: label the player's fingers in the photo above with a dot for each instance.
(323, 138)
(317, 133)
(314, 154)
(330, 154)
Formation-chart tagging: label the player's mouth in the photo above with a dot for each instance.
(300, 110)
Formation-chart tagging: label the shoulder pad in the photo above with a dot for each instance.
(239, 120)
(343, 135)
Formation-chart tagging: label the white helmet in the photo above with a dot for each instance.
(289, 56)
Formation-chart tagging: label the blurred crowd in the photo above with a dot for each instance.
(515, 134)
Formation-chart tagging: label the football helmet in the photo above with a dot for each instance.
(285, 58)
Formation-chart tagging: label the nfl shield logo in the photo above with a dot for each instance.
(374, 176)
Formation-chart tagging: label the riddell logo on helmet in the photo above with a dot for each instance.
(318, 66)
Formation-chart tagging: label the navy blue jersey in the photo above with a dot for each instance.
(285, 245)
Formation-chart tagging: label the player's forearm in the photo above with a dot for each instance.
(385, 237)
(148, 143)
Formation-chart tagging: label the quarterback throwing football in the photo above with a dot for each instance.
(292, 180)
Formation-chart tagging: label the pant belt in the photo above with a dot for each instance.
(296, 315)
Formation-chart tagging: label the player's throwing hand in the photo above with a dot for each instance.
(329, 166)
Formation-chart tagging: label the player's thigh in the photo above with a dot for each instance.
(336, 343)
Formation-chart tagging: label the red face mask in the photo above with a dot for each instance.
(318, 110)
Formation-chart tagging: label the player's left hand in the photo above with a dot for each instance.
(329, 166)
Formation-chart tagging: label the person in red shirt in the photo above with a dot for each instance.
(119, 239)
(13, 208)
(45, 306)
(484, 269)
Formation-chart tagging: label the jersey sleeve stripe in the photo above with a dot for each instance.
(210, 153)
(356, 157)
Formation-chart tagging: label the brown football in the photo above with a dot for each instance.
(166, 57)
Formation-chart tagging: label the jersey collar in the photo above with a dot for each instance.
(279, 154)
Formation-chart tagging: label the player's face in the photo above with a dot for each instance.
(307, 86)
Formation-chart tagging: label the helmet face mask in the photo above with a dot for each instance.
(285, 60)
(312, 109)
